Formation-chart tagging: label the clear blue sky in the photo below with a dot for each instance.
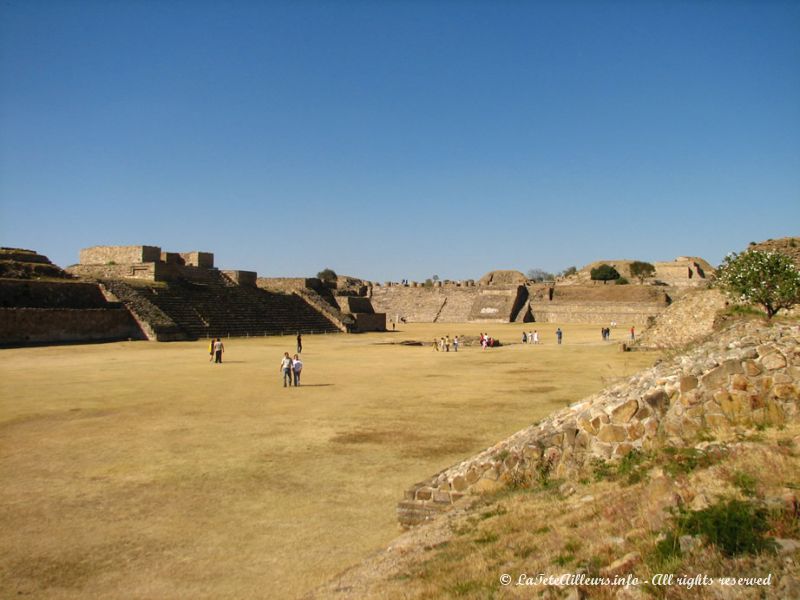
(394, 139)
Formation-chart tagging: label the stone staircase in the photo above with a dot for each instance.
(218, 308)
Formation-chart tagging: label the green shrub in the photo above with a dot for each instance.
(622, 281)
(734, 526)
(745, 482)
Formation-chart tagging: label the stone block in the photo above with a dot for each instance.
(612, 433)
(624, 412)
(715, 379)
(751, 368)
(739, 382)
(459, 484)
(773, 361)
(441, 497)
(424, 494)
(658, 401)
(732, 366)
(599, 421)
(635, 430)
(689, 382)
(643, 412)
(472, 476)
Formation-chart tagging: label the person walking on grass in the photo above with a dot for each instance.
(286, 368)
(219, 348)
(211, 350)
(299, 343)
(559, 335)
(297, 367)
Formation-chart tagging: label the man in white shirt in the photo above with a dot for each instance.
(286, 367)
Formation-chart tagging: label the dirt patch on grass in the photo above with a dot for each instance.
(375, 436)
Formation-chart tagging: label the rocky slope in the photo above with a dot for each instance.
(730, 404)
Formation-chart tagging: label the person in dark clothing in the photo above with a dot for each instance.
(299, 343)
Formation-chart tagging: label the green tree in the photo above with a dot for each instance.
(539, 275)
(327, 275)
(604, 273)
(769, 279)
(568, 271)
(642, 270)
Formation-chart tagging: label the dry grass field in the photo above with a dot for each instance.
(141, 470)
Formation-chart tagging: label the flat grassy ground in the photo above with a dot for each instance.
(142, 470)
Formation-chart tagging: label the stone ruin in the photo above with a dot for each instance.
(683, 272)
(142, 292)
(746, 376)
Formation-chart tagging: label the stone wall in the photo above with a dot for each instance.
(247, 278)
(688, 319)
(354, 304)
(369, 322)
(102, 255)
(146, 271)
(631, 313)
(445, 304)
(748, 375)
(597, 303)
(288, 284)
(498, 305)
(41, 294)
(204, 260)
(20, 326)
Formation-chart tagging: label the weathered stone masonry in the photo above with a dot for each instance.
(747, 376)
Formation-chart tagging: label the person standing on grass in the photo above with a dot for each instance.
(211, 350)
(299, 343)
(297, 367)
(286, 368)
(219, 348)
(633, 333)
(455, 344)
(524, 338)
(447, 343)
(559, 335)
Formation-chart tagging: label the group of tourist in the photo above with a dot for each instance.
(443, 344)
(215, 350)
(532, 337)
(291, 367)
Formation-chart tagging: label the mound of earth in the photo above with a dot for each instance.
(17, 263)
(503, 278)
